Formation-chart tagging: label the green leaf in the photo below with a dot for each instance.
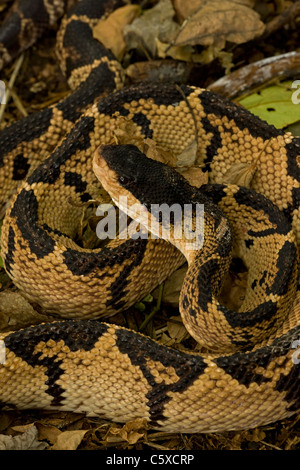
(274, 104)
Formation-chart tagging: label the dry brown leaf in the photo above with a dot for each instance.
(160, 154)
(5, 420)
(233, 291)
(195, 176)
(166, 340)
(240, 174)
(215, 22)
(110, 30)
(172, 287)
(61, 419)
(131, 432)
(68, 440)
(255, 435)
(16, 312)
(185, 9)
(155, 23)
(211, 53)
(189, 155)
(27, 440)
(48, 432)
(183, 53)
(176, 329)
(126, 133)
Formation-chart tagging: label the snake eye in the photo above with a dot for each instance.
(125, 181)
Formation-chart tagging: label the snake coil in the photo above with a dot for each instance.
(245, 379)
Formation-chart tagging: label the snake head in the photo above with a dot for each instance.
(125, 170)
(154, 194)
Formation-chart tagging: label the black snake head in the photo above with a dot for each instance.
(154, 187)
(149, 181)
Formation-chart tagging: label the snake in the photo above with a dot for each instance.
(58, 164)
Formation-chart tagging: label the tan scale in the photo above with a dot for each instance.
(209, 403)
(81, 74)
(113, 378)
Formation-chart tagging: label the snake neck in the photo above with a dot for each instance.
(198, 302)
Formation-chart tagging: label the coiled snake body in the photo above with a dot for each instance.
(250, 374)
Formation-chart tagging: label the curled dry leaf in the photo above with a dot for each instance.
(68, 440)
(27, 440)
(189, 155)
(183, 53)
(233, 292)
(156, 23)
(126, 133)
(240, 174)
(194, 175)
(48, 432)
(131, 432)
(185, 9)
(255, 435)
(176, 329)
(16, 312)
(215, 22)
(160, 154)
(172, 287)
(110, 30)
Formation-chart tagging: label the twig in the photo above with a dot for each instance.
(256, 74)
(287, 16)
(11, 84)
(191, 110)
(154, 310)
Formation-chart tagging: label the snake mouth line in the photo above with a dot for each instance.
(161, 221)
